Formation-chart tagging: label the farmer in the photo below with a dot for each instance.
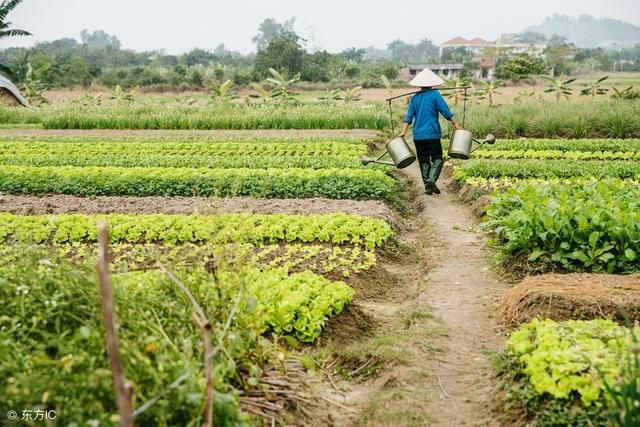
(424, 108)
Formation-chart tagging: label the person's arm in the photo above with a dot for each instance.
(443, 108)
(411, 113)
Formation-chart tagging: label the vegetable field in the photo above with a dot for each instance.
(322, 273)
(263, 277)
(564, 206)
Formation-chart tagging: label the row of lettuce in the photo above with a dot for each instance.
(564, 205)
(260, 278)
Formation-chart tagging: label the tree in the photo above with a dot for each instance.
(222, 92)
(559, 56)
(5, 31)
(557, 40)
(559, 86)
(270, 29)
(520, 66)
(595, 88)
(282, 85)
(99, 39)
(490, 90)
(412, 53)
(283, 54)
(531, 37)
(5, 27)
(353, 54)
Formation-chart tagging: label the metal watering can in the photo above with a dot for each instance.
(461, 141)
(400, 153)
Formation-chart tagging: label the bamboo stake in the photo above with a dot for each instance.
(205, 327)
(123, 389)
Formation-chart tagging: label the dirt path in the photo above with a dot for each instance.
(462, 290)
(61, 204)
(433, 327)
(263, 133)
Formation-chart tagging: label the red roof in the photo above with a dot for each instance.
(458, 40)
(488, 63)
(479, 41)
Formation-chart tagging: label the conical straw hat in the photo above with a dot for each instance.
(426, 78)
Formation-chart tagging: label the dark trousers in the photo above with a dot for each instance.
(428, 150)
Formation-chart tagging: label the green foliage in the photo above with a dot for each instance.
(6, 7)
(253, 154)
(592, 225)
(283, 85)
(575, 119)
(223, 91)
(283, 54)
(338, 228)
(32, 86)
(533, 168)
(233, 116)
(120, 95)
(268, 183)
(52, 347)
(573, 357)
(520, 66)
(625, 94)
(624, 396)
(595, 88)
(559, 86)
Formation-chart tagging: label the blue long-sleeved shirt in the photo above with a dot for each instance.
(424, 108)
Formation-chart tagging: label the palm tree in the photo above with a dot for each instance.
(5, 27)
(5, 7)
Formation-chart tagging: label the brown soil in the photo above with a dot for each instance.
(572, 296)
(462, 291)
(353, 323)
(58, 204)
(264, 133)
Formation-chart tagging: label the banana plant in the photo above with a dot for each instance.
(490, 90)
(261, 93)
(282, 86)
(223, 91)
(454, 94)
(120, 95)
(32, 86)
(559, 86)
(353, 94)
(627, 93)
(524, 95)
(386, 83)
(595, 88)
(89, 100)
(332, 95)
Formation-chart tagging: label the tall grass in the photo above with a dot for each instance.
(548, 119)
(362, 116)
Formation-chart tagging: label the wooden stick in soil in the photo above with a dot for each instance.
(123, 389)
(205, 326)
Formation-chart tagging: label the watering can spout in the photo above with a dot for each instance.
(399, 151)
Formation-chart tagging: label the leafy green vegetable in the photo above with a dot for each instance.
(594, 225)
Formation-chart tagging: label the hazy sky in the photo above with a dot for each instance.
(178, 26)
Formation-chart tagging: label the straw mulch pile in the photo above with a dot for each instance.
(572, 296)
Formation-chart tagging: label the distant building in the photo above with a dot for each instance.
(487, 70)
(446, 71)
(475, 46)
(10, 95)
(509, 42)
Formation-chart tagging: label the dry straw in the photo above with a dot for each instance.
(572, 296)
